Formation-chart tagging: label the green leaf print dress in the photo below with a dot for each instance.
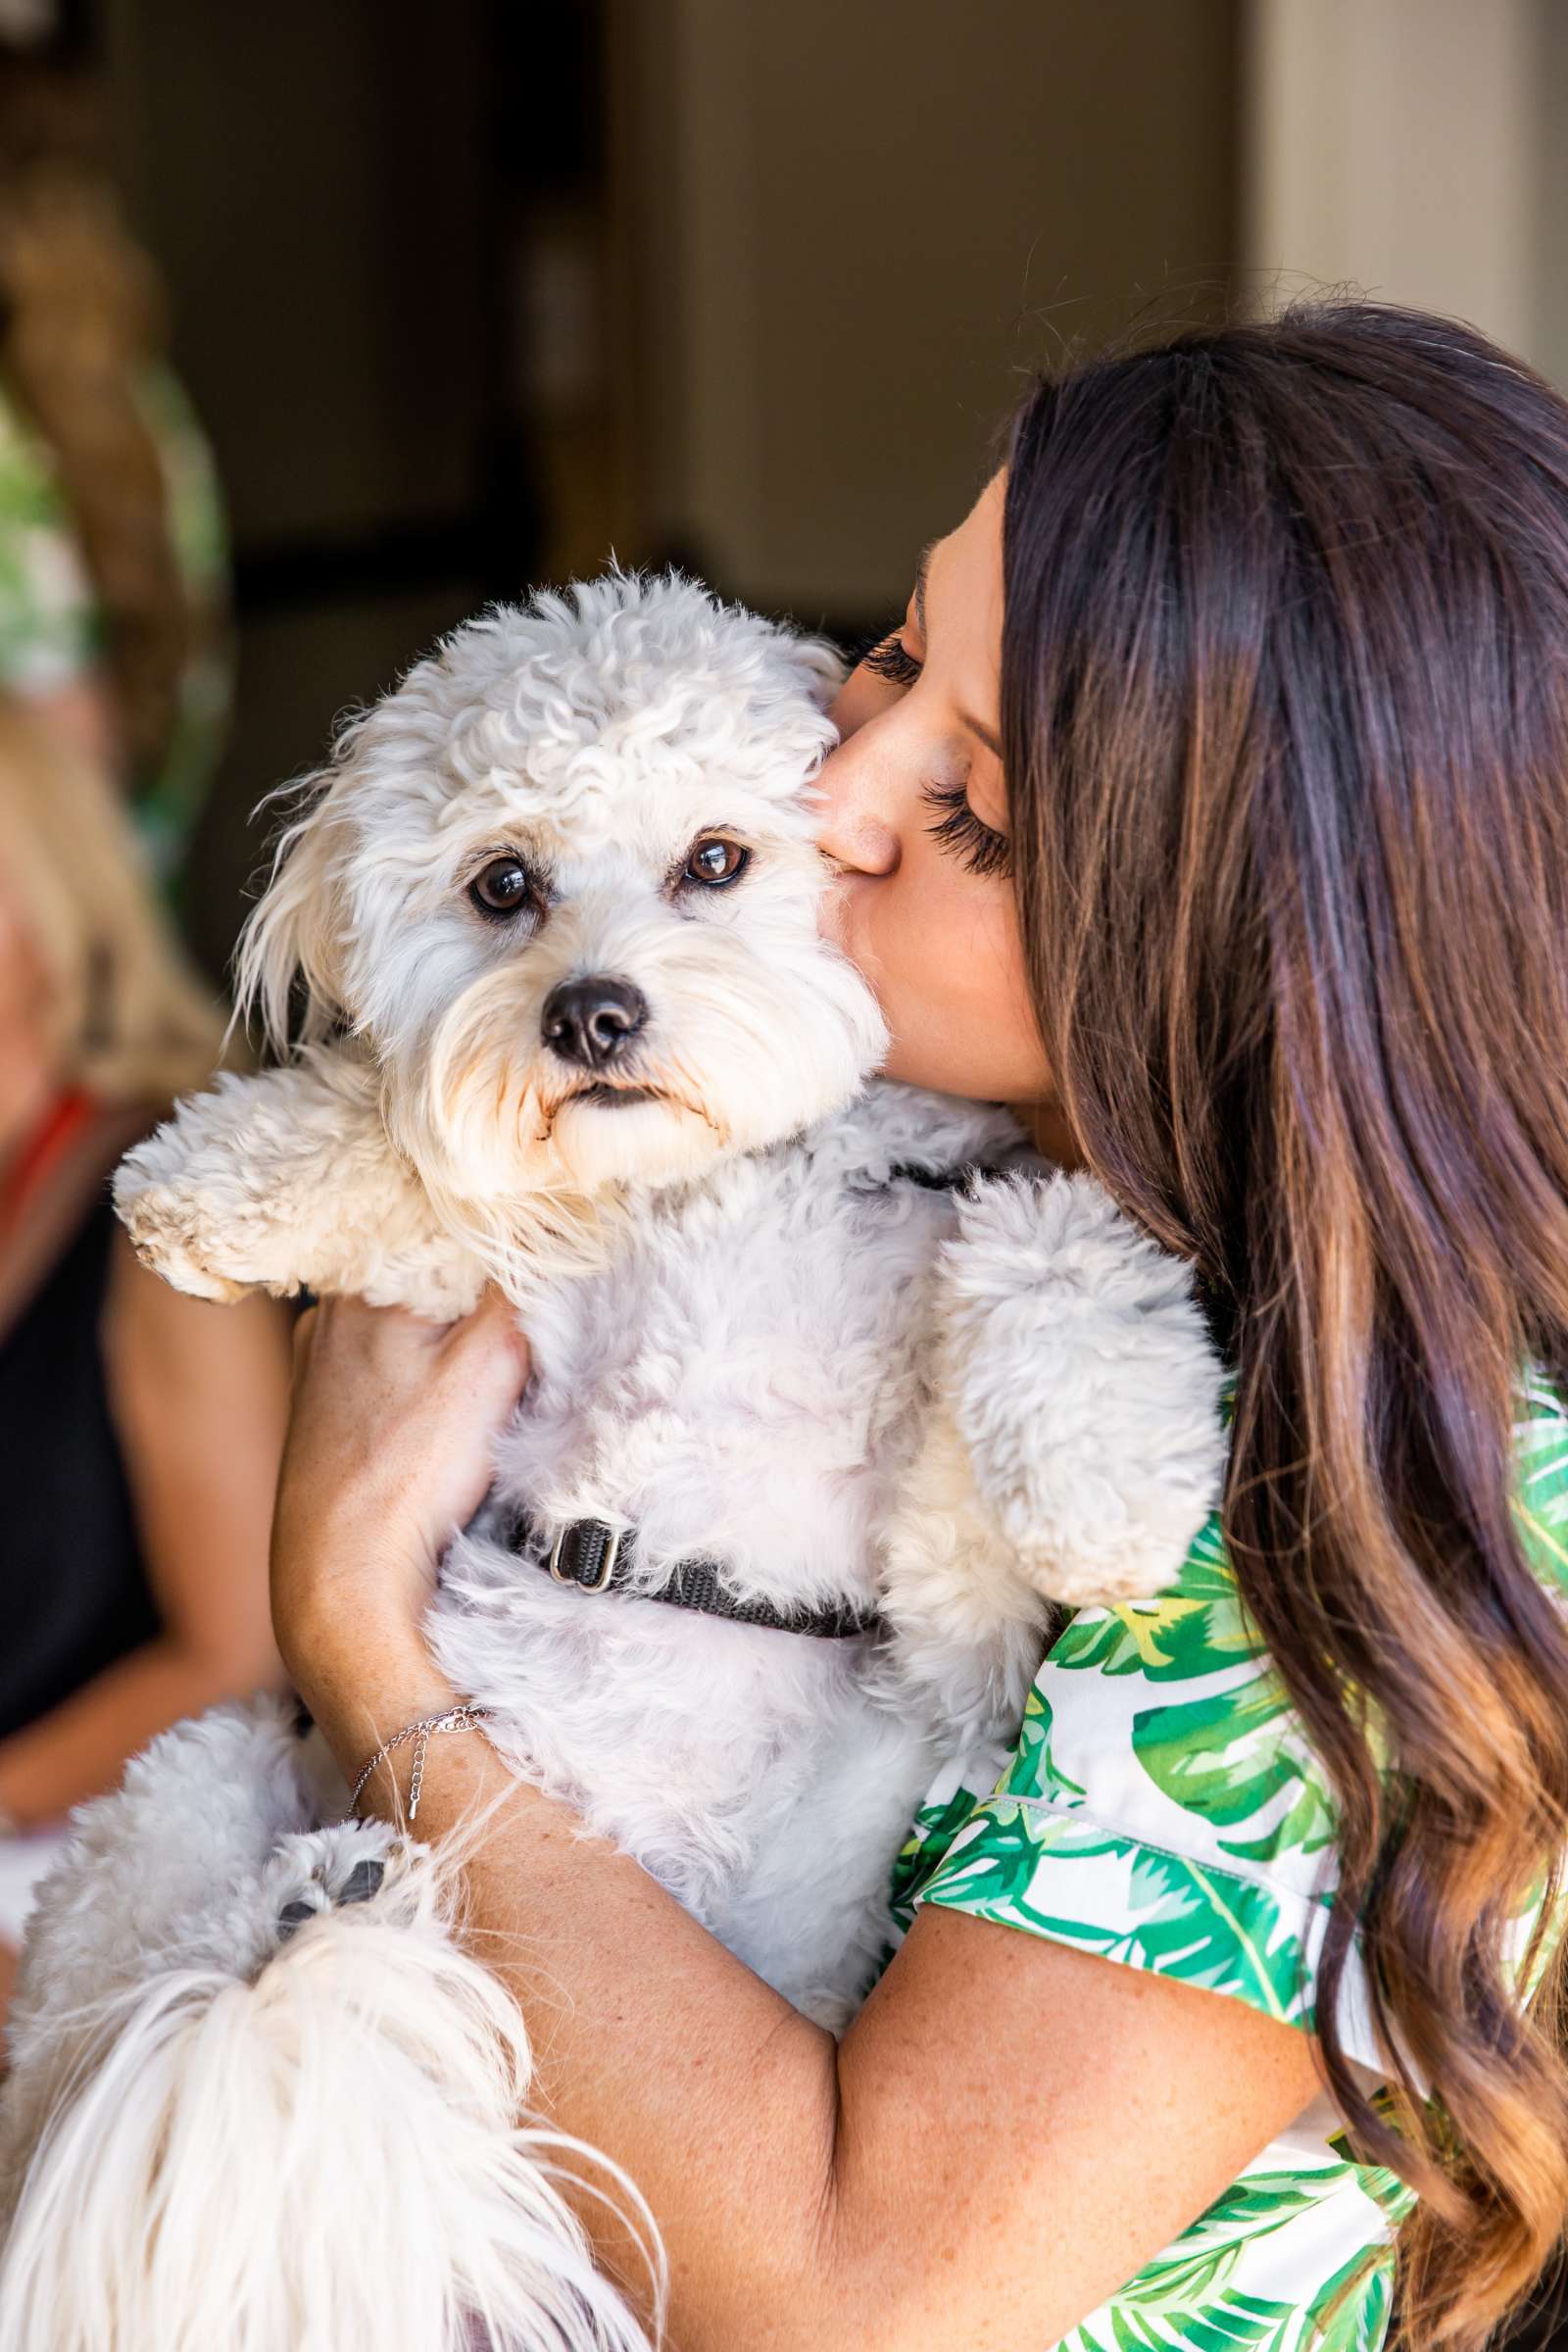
(1161, 1809)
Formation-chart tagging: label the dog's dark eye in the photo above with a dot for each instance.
(501, 888)
(716, 861)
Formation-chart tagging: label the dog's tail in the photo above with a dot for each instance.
(327, 2158)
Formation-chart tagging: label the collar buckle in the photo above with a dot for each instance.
(584, 1554)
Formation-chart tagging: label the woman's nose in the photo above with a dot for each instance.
(855, 828)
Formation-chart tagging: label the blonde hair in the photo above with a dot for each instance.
(132, 1023)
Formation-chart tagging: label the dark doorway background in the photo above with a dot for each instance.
(336, 197)
(470, 292)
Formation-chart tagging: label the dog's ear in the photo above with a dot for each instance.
(294, 932)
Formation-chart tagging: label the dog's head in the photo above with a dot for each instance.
(562, 883)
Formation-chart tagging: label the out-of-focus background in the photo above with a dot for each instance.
(324, 322)
(467, 293)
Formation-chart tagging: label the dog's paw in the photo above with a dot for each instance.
(173, 1239)
(316, 1871)
(1084, 1385)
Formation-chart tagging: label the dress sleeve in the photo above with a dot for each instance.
(49, 630)
(1162, 1808)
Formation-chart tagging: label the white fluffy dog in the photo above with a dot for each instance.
(820, 1427)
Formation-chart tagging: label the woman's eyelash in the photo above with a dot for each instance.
(889, 659)
(959, 829)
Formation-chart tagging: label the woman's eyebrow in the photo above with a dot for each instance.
(922, 572)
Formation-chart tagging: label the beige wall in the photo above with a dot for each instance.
(845, 228)
(1414, 149)
(1548, 127)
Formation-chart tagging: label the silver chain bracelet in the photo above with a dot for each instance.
(456, 1719)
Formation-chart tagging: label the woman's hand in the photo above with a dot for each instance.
(389, 1452)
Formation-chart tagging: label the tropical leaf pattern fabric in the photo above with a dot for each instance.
(1162, 1808)
(48, 623)
(51, 626)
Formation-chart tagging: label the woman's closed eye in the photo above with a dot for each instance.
(975, 844)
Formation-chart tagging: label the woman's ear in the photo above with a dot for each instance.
(295, 931)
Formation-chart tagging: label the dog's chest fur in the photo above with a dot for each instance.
(745, 1382)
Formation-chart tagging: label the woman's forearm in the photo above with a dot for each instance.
(730, 2130)
(81, 1746)
(1008, 2130)
(940, 2177)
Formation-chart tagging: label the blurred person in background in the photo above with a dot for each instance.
(140, 1429)
(113, 568)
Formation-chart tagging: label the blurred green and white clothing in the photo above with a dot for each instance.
(51, 626)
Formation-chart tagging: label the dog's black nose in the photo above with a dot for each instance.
(593, 1021)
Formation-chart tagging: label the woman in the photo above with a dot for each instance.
(141, 1429)
(1209, 801)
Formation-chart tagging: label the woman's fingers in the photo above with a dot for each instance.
(491, 1340)
(389, 1451)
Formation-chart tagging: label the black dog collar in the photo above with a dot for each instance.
(597, 1558)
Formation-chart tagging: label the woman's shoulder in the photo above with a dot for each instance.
(1159, 1807)
(1163, 1802)
(1197, 1625)
(1172, 1709)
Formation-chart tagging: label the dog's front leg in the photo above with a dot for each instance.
(1073, 1449)
(287, 1182)
(1083, 1385)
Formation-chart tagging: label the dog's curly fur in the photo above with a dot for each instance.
(757, 1339)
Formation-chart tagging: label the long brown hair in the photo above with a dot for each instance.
(1285, 709)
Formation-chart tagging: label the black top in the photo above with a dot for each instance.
(73, 1590)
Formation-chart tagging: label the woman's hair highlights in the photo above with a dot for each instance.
(1285, 705)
